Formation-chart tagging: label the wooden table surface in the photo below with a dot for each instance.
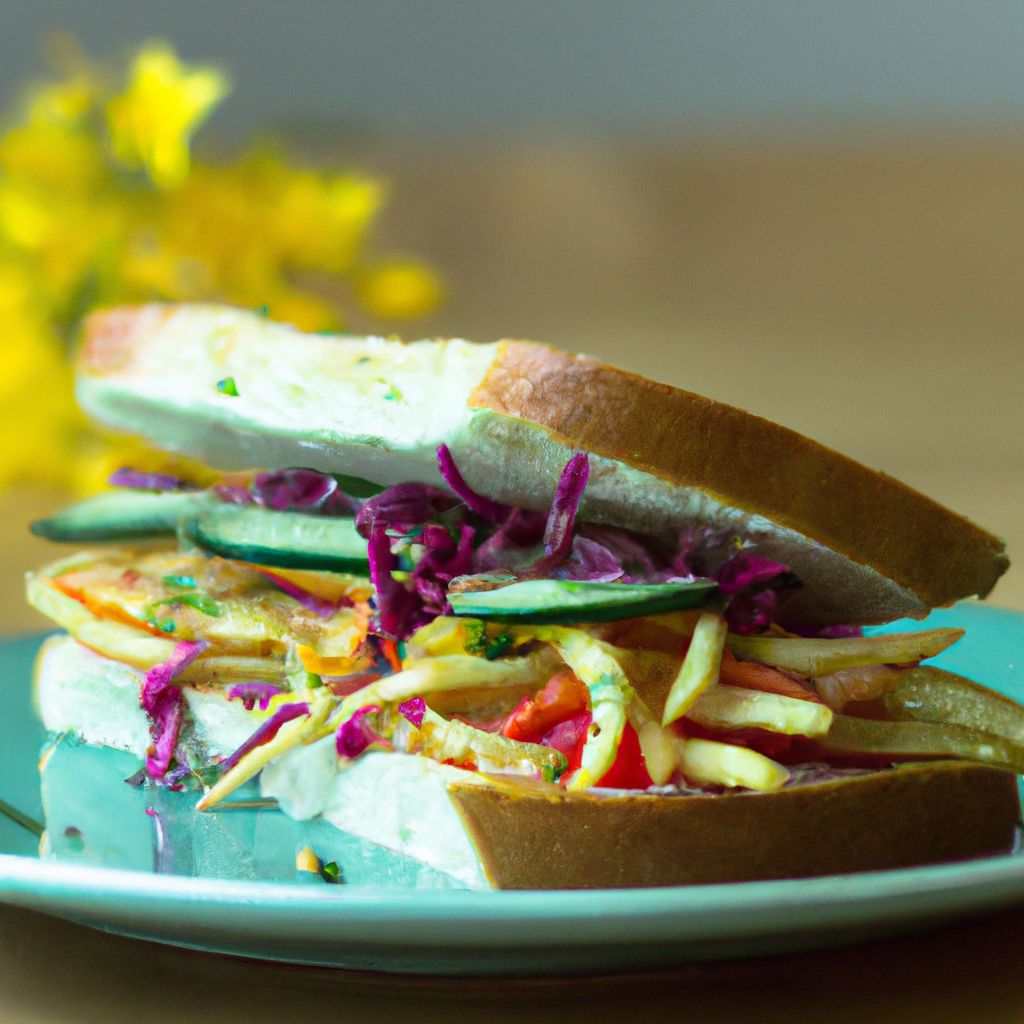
(868, 291)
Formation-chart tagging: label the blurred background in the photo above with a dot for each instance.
(811, 210)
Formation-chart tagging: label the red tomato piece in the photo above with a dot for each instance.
(629, 770)
(564, 697)
(568, 737)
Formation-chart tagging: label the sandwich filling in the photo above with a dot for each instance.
(471, 639)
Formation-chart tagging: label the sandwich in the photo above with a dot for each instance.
(513, 614)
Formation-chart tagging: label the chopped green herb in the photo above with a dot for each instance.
(263, 311)
(185, 582)
(393, 394)
(313, 681)
(227, 386)
(553, 772)
(356, 486)
(476, 635)
(498, 647)
(201, 602)
(330, 872)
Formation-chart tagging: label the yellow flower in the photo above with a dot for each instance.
(396, 291)
(152, 122)
(76, 234)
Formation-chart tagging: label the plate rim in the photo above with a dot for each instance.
(209, 913)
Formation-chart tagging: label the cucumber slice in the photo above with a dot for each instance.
(570, 602)
(291, 540)
(123, 515)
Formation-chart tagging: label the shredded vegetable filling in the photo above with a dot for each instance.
(719, 698)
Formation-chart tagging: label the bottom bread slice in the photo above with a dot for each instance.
(892, 818)
(482, 832)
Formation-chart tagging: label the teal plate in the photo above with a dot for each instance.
(385, 920)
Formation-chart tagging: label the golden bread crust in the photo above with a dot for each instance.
(748, 463)
(920, 814)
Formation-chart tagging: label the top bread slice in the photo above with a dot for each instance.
(866, 547)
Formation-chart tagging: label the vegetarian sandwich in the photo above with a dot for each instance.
(521, 616)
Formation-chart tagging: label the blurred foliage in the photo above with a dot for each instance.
(101, 203)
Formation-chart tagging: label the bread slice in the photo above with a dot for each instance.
(894, 818)
(867, 548)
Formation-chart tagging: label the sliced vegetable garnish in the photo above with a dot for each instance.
(755, 676)
(700, 667)
(564, 697)
(114, 639)
(909, 740)
(570, 602)
(290, 734)
(723, 764)
(249, 533)
(929, 694)
(253, 694)
(732, 707)
(486, 507)
(460, 744)
(266, 732)
(452, 672)
(571, 484)
(811, 657)
(163, 702)
(123, 515)
(659, 745)
(610, 694)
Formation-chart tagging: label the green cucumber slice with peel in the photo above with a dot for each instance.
(290, 540)
(123, 515)
(572, 602)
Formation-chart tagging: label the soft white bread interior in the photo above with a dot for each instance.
(867, 548)
(397, 801)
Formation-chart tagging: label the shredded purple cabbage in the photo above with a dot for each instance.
(625, 548)
(825, 632)
(163, 702)
(319, 606)
(293, 489)
(265, 733)
(399, 609)
(355, 735)
(509, 546)
(750, 581)
(441, 561)
(403, 508)
(251, 694)
(493, 511)
(590, 561)
(413, 710)
(558, 534)
(125, 477)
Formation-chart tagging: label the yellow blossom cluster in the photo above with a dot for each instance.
(101, 203)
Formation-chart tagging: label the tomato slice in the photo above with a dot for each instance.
(564, 697)
(629, 769)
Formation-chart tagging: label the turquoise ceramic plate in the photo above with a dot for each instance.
(388, 919)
